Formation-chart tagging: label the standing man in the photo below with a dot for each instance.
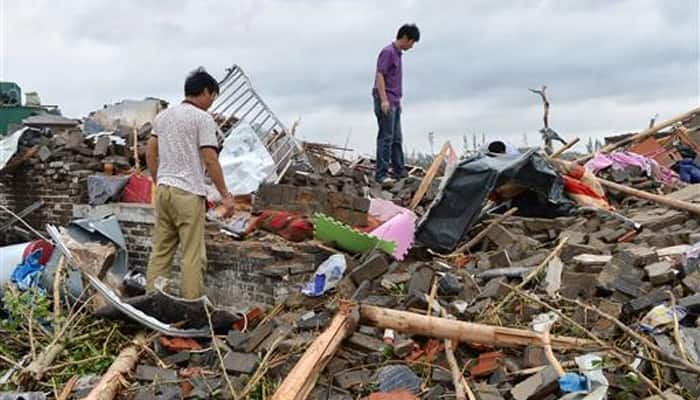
(182, 146)
(387, 93)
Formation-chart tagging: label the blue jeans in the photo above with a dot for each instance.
(389, 142)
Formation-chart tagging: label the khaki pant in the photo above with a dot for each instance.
(180, 219)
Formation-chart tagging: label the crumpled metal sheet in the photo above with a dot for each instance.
(141, 309)
(8, 147)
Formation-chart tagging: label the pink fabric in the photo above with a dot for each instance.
(622, 159)
(401, 229)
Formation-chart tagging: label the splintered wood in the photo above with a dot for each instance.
(302, 378)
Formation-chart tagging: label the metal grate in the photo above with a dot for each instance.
(238, 101)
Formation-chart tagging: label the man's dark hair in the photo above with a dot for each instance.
(410, 31)
(198, 80)
(497, 147)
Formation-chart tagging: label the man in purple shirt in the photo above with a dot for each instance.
(387, 105)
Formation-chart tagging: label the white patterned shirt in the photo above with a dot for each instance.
(182, 130)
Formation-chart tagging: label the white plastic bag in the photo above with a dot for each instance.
(245, 161)
(326, 277)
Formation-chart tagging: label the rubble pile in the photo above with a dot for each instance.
(495, 277)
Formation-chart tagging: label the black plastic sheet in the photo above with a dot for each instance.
(458, 206)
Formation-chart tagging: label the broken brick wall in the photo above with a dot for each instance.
(239, 273)
(59, 184)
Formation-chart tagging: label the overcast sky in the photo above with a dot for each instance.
(609, 65)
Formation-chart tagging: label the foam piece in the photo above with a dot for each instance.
(384, 210)
(344, 237)
(401, 229)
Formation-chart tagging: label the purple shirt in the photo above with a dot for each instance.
(389, 65)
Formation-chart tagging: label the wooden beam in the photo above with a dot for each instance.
(564, 148)
(442, 328)
(663, 200)
(302, 378)
(429, 176)
(644, 134)
(108, 385)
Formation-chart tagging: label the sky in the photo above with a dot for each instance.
(610, 65)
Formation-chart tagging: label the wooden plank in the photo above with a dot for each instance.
(429, 176)
(111, 381)
(644, 134)
(564, 148)
(663, 200)
(302, 378)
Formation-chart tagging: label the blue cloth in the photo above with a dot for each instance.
(27, 274)
(389, 142)
(689, 171)
(570, 383)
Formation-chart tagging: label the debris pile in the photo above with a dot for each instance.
(494, 277)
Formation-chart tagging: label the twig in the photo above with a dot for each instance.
(530, 276)
(615, 353)
(543, 95)
(147, 349)
(479, 236)
(218, 351)
(431, 299)
(676, 329)
(68, 388)
(467, 389)
(20, 219)
(550, 354)
(57, 289)
(457, 377)
(695, 368)
(262, 369)
(32, 345)
(564, 148)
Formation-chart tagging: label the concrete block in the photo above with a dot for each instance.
(236, 339)
(537, 386)
(421, 281)
(501, 236)
(349, 379)
(375, 266)
(692, 282)
(660, 272)
(150, 373)
(258, 335)
(365, 342)
(245, 363)
(646, 302)
(500, 259)
(637, 256)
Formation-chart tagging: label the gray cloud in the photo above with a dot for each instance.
(609, 65)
